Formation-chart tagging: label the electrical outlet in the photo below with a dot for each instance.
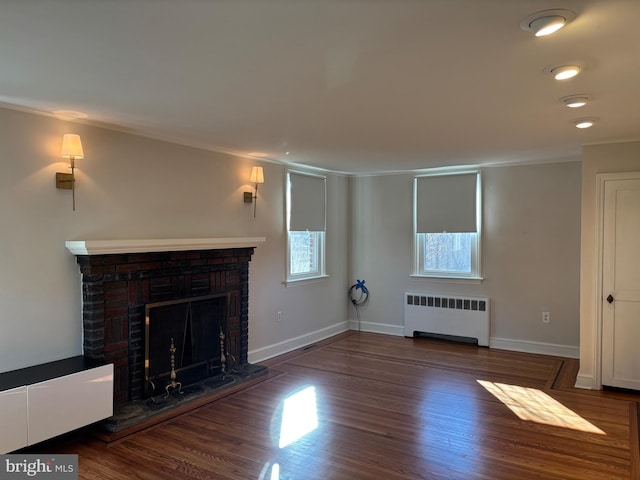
(546, 317)
(279, 315)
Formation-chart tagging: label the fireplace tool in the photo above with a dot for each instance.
(226, 361)
(173, 383)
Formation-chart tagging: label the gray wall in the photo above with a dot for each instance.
(530, 254)
(134, 187)
(130, 187)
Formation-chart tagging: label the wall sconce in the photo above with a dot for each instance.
(257, 177)
(71, 149)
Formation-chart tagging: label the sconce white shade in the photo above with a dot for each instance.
(71, 146)
(71, 149)
(257, 175)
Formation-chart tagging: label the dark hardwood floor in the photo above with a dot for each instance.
(387, 408)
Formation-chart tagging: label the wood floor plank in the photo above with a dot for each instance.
(389, 408)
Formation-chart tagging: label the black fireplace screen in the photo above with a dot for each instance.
(194, 327)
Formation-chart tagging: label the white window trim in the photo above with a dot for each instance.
(301, 278)
(459, 280)
(476, 267)
(307, 278)
(304, 281)
(475, 264)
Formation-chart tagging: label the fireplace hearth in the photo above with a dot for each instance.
(123, 281)
(133, 415)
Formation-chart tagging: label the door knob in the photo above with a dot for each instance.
(609, 298)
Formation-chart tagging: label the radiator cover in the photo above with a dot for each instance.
(461, 316)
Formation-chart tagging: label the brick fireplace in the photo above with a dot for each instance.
(120, 278)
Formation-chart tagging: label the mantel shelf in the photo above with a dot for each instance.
(105, 247)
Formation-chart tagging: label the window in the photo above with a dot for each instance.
(450, 254)
(306, 206)
(447, 225)
(304, 252)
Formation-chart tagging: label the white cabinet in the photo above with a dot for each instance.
(63, 404)
(13, 419)
(44, 409)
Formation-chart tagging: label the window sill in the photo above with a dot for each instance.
(304, 281)
(443, 279)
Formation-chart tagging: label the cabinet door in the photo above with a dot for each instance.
(63, 404)
(13, 419)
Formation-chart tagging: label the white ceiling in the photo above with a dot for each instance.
(351, 86)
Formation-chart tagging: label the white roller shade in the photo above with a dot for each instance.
(308, 199)
(446, 203)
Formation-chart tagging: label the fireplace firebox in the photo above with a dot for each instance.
(185, 340)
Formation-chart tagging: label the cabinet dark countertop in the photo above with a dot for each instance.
(46, 371)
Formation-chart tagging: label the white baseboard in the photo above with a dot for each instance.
(270, 351)
(397, 330)
(540, 348)
(585, 381)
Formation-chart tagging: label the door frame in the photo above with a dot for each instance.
(598, 294)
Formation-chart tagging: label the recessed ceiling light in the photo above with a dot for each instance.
(547, 22)
(584, 122)
(547, 25)
(575, 101)
(563, 72)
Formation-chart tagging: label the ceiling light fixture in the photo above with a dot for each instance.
(563, 72)
(575, 101)
(584, 122)
(547, 22)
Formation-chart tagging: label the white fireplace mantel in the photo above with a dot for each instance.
(105, 247)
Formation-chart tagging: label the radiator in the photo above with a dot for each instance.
(447, 315)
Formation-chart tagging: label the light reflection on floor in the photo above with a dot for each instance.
(275, 472)
(299, 416)
(531, 404)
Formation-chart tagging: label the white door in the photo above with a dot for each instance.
(621, 283)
